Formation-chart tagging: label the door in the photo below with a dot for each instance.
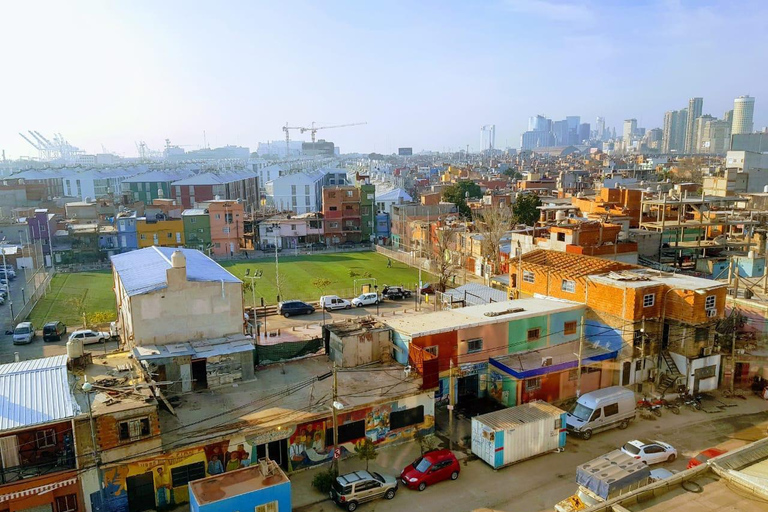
(278, 452)
(654, 454)
(665, 337)
(141, 492)
(199, 374)
(626, 370)
(436, 473)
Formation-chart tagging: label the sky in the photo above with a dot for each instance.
(424, 74)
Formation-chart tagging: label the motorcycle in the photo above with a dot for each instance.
(692, 401)
(666, 404)
(649, 406)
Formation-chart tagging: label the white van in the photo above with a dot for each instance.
(334, 302)
(600, 410)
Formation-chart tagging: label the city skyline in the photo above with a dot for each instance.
(124, 73)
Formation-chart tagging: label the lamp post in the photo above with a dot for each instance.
(87, 388)
(5, 272)
(256, 275)
(376, 289)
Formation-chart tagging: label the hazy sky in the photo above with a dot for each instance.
(423, 74)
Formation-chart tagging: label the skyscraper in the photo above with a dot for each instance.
(601, 128)
(694, 111)
(728, 118)
(630, 127)
(743, 110)
(539, 124)
(560, 131)
(584, 130)
(668, 131)
(699, 128)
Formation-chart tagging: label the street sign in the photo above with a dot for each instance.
(337, 453)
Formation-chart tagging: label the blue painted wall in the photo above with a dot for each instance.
(402, 342)
(247, 502)
(603, 335)
(498, 456)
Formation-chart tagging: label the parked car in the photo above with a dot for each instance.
(334, 302)
(9, 270)
(23, 333)
(271, 248)
(661, 474)
(365, 299)
(600, 410)
(427, 289)
(294, 307)
(395, 293)
(349, 243)
(704, 456)
(431, 468)
(88, 336)
(53, 331)
(650, 452)
(317, 246)
(360, 486)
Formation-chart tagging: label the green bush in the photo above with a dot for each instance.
(324, 480)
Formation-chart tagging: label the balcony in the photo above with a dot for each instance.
(45, 464)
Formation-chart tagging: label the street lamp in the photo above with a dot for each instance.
(376, 289)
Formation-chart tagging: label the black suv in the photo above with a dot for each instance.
(53, 331)
(294, 307)
(395, 292)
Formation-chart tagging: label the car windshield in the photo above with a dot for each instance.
(422, 465)
(21, 330)
(630, 448)
(581, 411)
(378, 477)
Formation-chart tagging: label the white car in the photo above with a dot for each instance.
(334, 302)
(650, 452)
(365, 299)
(88, 336)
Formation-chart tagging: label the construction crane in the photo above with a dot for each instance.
(312, 131)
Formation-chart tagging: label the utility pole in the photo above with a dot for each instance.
(578, 361)
(451, 403)
(336, 445)
(735, 276)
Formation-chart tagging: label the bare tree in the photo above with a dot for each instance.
(493, 224)
(445, 259)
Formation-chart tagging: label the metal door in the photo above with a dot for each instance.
(141, 492)
(626, 371)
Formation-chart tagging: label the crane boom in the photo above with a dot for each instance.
(49, 143)
(32, 143)
(313, 129)
(39, 140)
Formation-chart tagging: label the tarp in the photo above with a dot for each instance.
(609, 473)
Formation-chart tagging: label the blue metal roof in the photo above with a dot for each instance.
(144, 270)
(35, 392)
(525, 365)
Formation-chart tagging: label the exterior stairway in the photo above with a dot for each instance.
(670, 377)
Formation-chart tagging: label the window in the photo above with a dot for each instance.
(534, 334)
(701, 335)
(133, 429)
(475, 345)
(406, 418)
(143, 236)
(573, 375)
(333, 224)
(710, 302)
(649, 300)
(306, 200)
(267, 507)
(191, 190)
(533, 384)
(192, 220)
(432, 350)
(561, 237)
(306, 190)
(638, 365)
(293, 201)
(218, 216)
(182, 475)
(178, 190)
(178, 237)
(348, 432)
(67, 503)
(568, 286)
(225, 230)
(570, 327)
(528, 276)
(170, 235)
(611, 409)
(333, 208)
(349, 193)
(45, 438)
(293, 190)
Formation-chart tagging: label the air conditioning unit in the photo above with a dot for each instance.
(546, 361)
(706, 351)
(711, 313)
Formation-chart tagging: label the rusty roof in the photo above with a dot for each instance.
(573, 265)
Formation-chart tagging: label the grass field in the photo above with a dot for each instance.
(59, 303)
(297, 274)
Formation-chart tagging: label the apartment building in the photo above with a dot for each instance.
(342, 214)
(226, 220)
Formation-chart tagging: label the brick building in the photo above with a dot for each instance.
(342, 214)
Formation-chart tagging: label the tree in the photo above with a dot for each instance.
(321, 283)
(366, 451)
(458, 194)
(426, 442)
(444, 257)
(525, 209)
(494, 224)
(512, 173)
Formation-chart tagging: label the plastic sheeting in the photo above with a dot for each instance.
(609, 474)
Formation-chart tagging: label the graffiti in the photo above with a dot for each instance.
(306, 446)
(496, 386)
(377, 423)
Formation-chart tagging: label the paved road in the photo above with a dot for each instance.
(538, 484)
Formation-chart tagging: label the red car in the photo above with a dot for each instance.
(433, 467)
(704, 456)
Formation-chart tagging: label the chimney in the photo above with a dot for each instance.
(177, 274)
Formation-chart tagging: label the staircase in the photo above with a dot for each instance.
(670, 377)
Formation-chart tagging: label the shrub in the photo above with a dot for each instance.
(324, 479)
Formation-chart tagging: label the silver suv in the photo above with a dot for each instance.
(360, 486)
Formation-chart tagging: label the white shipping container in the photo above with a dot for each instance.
(510, 435)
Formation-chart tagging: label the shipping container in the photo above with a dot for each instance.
(510, 435)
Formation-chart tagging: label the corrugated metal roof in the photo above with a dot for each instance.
(513, 417)
(477, 293)
(35, 392)
(144, 270)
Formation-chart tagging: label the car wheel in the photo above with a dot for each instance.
(624, 424)
(390, 494)
(360, 305)
(348, 306)
(586, 435)
(286, 314)
(422, 486)
(454, 475)
(352, 506)
(671, 457)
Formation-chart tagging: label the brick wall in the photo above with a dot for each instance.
(107, 431)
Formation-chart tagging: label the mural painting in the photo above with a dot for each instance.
(193, 463)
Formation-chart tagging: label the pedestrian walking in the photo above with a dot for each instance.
(389, 263)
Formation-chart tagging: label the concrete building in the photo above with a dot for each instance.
(151, 185)
(127, 233)
(290, 232)
(385, 201)
(629, 131)
(226, 221)
(694, 112)
(715, 137)
(197, 229)
(698, 128)
(263, 487)
(743, 112)
(298, 192)
(159, 231)
(166, 296)
(342, 214)
(754, 142)
(232, 185)
(41, 227)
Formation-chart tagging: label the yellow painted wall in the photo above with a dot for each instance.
(146, 231)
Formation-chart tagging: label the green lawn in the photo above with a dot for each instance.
(66, 289)
(297, 274)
